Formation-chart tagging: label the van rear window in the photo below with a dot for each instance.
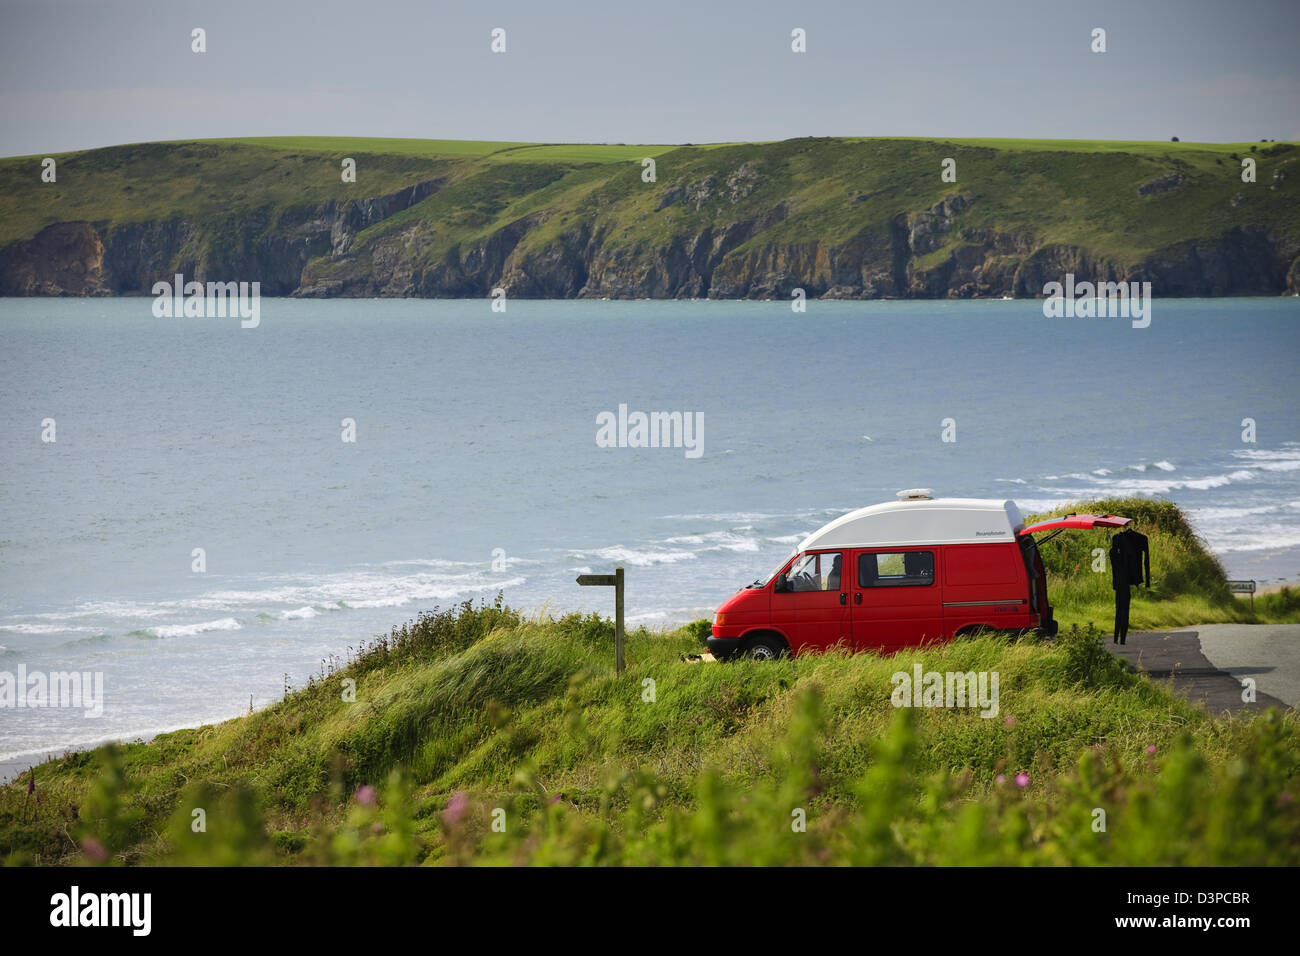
(891, 569)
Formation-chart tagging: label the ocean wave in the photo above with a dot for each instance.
(640, 559)
(1269, 538)
(717, 541)
(486, 563)
(47, 628)
(430, 563)
(1126, 487)
(1228, 514)
(697, 539)
(1144, 466)
(738, 516)
(402, 595)
(189, 630)
(301, 614)
(726, 516)
(1268, 454)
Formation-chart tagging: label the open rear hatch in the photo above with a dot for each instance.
(1076, 522)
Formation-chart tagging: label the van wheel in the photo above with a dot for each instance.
(765, 648)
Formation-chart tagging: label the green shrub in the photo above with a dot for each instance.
(1087, 662)
(702, 630)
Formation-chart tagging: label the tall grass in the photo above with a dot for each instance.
(475, 716)
(477, 735)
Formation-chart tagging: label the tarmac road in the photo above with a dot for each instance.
(1270, 653)
(1209, 662)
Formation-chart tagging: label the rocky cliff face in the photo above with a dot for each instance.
(727, 241)
(82, 258)
(64, 259)
(722, 261)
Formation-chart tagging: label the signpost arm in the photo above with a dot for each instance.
(615, 581)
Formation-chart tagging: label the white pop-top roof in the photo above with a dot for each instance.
(920, 521)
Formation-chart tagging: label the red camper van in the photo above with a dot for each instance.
(913, 571)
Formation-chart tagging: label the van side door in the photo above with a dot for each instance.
(812, 610)
(897, 600)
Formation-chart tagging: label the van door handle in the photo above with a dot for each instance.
(857, 597)
(844, 598)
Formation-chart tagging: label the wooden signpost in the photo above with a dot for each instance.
(1243, 587)
(614, 581)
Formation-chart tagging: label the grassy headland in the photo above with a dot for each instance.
(471, 717)
(838, 217)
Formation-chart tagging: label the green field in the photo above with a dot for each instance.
(473, 716)
(1161, 148)
(456, 149)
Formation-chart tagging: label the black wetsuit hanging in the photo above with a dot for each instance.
(1130, 563)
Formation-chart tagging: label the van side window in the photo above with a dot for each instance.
(818, 571)
(896, 569)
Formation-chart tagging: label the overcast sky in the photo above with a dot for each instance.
(84, 74)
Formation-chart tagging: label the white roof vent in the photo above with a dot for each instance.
(916, 494)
